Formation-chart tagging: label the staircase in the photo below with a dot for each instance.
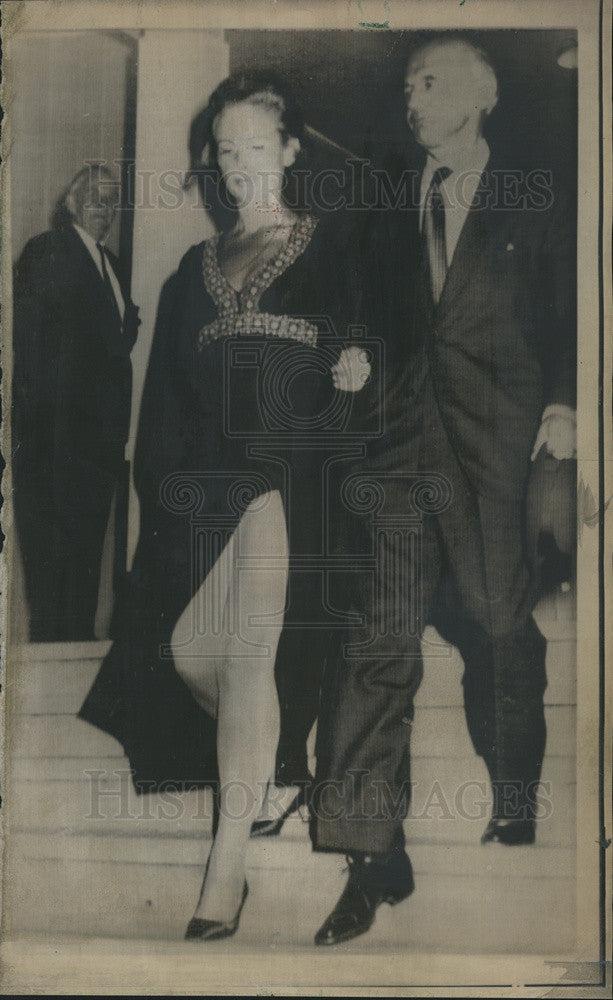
(89, 858)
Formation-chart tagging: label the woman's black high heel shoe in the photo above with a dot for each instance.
(271, 827)
(213, 930)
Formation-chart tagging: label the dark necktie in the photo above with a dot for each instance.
(106, 279)
(434, 232)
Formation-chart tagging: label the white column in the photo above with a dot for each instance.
(177, 71)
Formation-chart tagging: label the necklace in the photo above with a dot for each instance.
(240, 254)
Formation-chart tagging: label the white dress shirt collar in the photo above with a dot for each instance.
(465, 165)
(94, 252)
(457, 191)
(90, 243)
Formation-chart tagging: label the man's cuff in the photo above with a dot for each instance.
(559, 410)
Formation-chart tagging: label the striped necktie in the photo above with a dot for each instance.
(434, 232)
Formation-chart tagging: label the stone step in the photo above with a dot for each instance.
(437, 732)
(233, 968)
(464, 913)
(448, 805)
(58, 686)
(292, 853)
(555, 616)
(113, 769)
(84, 863)
(442, 732)
(443, 668)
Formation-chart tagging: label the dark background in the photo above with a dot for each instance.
(350, 87)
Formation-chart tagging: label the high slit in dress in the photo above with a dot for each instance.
(237, 407)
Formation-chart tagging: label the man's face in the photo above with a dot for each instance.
(443, 92)
(94, 205)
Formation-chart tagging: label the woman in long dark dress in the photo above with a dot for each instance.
(239, 390)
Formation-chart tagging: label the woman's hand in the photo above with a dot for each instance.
(352, 370)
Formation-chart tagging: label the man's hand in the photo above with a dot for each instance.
(558, 432)
(352, 370)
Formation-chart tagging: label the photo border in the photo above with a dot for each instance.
(71, 14)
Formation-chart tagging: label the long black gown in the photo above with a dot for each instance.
(238, 401)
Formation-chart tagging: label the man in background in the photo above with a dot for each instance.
(74, 328)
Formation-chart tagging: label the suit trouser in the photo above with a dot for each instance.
(61, 546)
(301, 658)
(483, 605)
(362, 786)
(80, 545)
(476, 588)
(504, 658)
(34, 519)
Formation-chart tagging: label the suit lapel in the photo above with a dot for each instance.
(424, 291)
(470, 242)
(90, 272)
(108, 320)
(483, 225)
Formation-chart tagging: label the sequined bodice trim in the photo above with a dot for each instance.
(238, 312)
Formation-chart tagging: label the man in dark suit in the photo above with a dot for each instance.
(488, 307)
(74, 328)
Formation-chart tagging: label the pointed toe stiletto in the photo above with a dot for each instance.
(272, 827)
(213, 930)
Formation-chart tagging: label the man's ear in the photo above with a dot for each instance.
(290, 151)
(491, 105)
(488, 93)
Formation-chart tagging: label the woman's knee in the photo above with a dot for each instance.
(247, 674)
(195, 671)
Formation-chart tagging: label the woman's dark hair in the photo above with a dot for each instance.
(259, 87)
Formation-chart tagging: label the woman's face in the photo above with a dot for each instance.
(251, 153)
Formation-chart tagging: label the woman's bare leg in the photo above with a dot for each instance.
(248, 706)
(199, 640)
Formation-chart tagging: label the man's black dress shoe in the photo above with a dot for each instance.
(511, 832)
(372, 880)
(212, 930)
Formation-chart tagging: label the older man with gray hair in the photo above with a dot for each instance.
(477, 281)
(74, 328)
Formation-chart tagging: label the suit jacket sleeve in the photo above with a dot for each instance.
(379, 261)
(345, 284)
(36, 348)
(558, 304)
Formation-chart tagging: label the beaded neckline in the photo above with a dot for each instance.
(228, 300)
